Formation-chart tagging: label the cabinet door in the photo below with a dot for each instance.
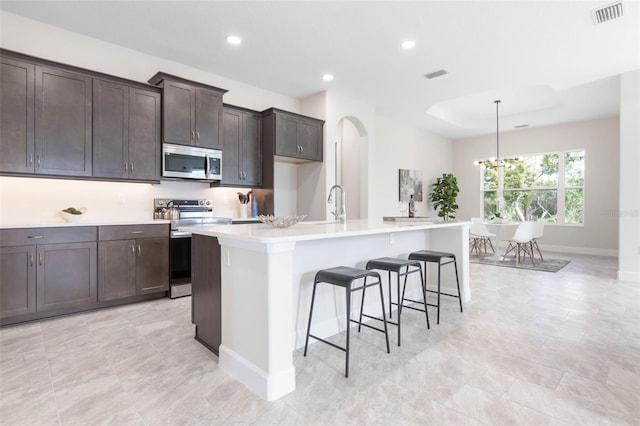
(287, 136)
(110, 129)
(179, 119)
(144, 135)
(231, 148)
(17, 281)
(63, 123)
(152, 270)
(116, 269)
(66, 275)
(310, 140)
(208, 118)
(252, 149)
(206, 290)
(17, 118)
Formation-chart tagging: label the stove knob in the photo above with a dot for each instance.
(208, 203)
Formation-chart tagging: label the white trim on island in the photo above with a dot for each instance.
(267, 275)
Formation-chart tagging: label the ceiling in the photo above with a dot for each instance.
(546, 60)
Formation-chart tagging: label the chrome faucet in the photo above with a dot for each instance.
(342, 216)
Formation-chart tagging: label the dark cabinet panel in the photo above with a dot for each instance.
(152, 270)
(179, 116)
(142, 251)
(242, 147)
(293, 136)
(206, 290)
(116, 269)
(17, 281)
(191, 111)
(17, 85)
(126, 126)
(63, 122)
(110, 129)
(144, 134)
(66, 275)
(208, 118)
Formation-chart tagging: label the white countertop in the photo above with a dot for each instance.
(306, 231)
(103, 222)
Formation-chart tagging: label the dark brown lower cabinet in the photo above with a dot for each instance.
(206, 290)
(17, 281)
(66, 275)
(132, 266)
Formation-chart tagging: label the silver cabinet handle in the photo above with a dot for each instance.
(35, 237)
(193, 135)
(131, 168)
(207, 164)
(197, 135)
(125, 167)
(40, 261)
(30, 259)
(38, 160)
(30, 162)
(301, 149)
(244, 175)
(133, 249)
(136, 232)
(139, 250)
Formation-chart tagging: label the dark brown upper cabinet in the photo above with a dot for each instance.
(17, 86)
(295, 137)
(126, 132)
(191, 111)
(242, 147)
(63, 124)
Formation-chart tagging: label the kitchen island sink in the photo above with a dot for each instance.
(266, 277)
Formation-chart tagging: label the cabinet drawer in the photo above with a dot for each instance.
(33, 236)
(125, 232)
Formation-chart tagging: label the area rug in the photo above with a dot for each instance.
(548, 265)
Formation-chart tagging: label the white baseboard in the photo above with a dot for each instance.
(630, 276)
(579, 250)
(267, 386)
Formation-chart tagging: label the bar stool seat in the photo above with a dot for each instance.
(345, 276)
(391, 264)
(438, 257)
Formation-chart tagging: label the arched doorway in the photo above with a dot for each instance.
(352, 153)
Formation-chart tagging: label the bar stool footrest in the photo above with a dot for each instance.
(444, 294)
(374, 318)
(328, 343)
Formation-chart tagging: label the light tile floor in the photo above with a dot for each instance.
(532, 348)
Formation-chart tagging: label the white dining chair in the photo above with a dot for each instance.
(522, 242)
(480, 236)
(538, 232)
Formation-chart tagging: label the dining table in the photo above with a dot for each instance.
(504, 230)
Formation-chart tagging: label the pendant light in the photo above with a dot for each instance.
(497, 162)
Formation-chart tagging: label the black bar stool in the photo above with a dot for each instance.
(437, 257)
(344, 276)
(390, 265)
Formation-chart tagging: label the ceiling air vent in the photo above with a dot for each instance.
(608, 13)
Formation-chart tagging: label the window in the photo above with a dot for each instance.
(545, 186)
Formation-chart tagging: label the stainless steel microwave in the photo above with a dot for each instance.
(191, 162)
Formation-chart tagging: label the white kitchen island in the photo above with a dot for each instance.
(267, 277)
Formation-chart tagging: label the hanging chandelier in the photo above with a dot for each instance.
(497, 161)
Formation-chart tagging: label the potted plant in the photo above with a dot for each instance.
(443, 196)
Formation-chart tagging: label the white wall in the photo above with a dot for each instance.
(629, 211)
(402, 147)
(599, 138)
(41, 198)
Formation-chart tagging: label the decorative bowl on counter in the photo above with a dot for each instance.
(73, 217)
(281, 221)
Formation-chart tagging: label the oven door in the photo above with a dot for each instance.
(188, 162)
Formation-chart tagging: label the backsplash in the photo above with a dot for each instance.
(33, 201)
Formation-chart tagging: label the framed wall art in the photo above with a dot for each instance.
(410, 182)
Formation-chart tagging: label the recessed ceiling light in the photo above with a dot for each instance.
(234, 39)
(408, 44)
(327, 77)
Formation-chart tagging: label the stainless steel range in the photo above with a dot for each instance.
(189, 212)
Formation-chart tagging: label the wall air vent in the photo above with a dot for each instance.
(436, 73)
(608, 13)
